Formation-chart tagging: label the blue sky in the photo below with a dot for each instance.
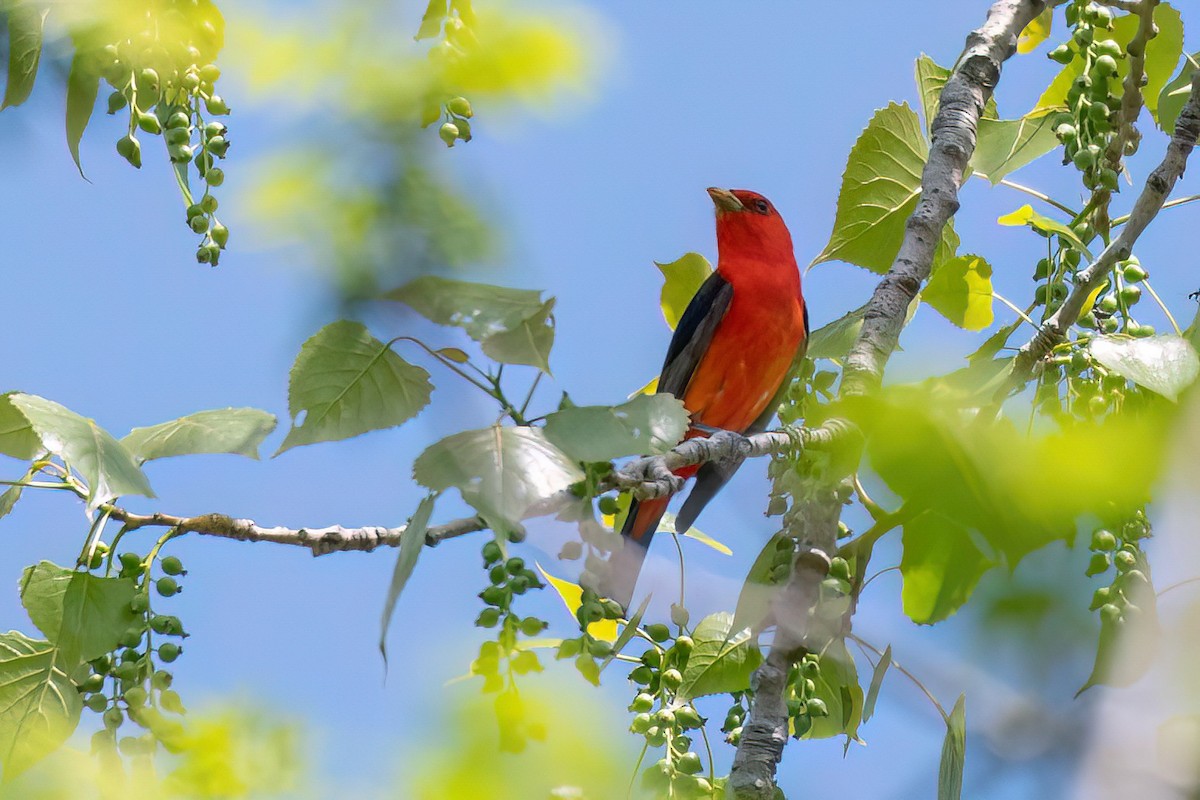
(105, 311)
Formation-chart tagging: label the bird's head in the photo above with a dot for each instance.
(749, 227)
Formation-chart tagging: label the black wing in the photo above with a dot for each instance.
(694, 333)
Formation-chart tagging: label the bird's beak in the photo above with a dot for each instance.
(724, 200)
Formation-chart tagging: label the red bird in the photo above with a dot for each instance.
(729, 358)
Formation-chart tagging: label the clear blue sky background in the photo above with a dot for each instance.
(105, 311)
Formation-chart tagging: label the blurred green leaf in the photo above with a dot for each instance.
(961, 291)
(721, 660)
(237, 431)
(754, 600)
(25, 24)
(83, 616)
(411, 544)
(17, 438)
(39, 706)
(877, 676)
(1163, 364)
(837, 685)
(1128, 644)
(500, 471)
(347, 382)
(108, 468)
(1173, 96)
(954, 751)
(940, 565)
(431, 20)
(681, 280)
(647, 424)
(481, 309)
(83, 84)
(528, 343)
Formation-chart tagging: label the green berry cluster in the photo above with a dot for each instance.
(801, 696)
(454, 23)
(508, 578)
(586, 649)
(165, 76)
(1122, 551)
(666, 719)
(1113, 309)
(132, 683)
(1094, 98)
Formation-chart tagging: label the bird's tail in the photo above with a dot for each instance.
(626, 564)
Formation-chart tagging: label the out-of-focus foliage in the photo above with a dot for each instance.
(358, 182)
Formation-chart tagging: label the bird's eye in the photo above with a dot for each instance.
(761, 206)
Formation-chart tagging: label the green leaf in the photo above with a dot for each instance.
(833, 341)
(1176, 93)
(107, 467)
(1025, 215)
(1128, 645)
(1036, 32)
(721, 660)
(954, 752)
(1163, 364)
(681, 281)
(961, 291)
(83, 84)
(25, 24)
(940, 565)
(8, 500)
(1006, 145)
(39, 706)
(881, 669)
(647, 424)
(837, 685)
(411, 544)
(1162, 54)
(347, 382)
(482, 310)
(431, 21)
(528, 343)
(879, 191)
(17, 438)
(931, 79)
(81, 614)
(500, 471)
(237, 431)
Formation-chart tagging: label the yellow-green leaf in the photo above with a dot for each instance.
(961, 291)
(1025, 215)
(1006, 145)
(1036, 32)
(681, 280)
(572, 596)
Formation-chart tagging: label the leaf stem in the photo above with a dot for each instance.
(444, 361)
(1169, 204)
(896, 664)
(1045, 198)
(1016, 309)
(1163, 306)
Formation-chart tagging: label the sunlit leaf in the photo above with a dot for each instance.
(39, 706)
(1036, 32)
(1176, 93)
(482, 310)
(237, 431)
(954, 750)
(17, 438)
(83, 615)
(1025, 215)
(681, 280)
(647, 424)
(931, 78)
(529, 342)
(25, 24)
(107, 467)
(347, 382)
(1163, 364)
(961, 291)
(877, 676)
(880, 188)
(572, 596)
(940, 565)
(501, 471)
(721, 660)
(411, 544)
(1006, 145)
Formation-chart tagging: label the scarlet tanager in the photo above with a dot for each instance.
(729, 359)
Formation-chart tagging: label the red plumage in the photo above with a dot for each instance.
(730, 356)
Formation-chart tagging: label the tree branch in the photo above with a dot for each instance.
(954, 130)
(1158, 187)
